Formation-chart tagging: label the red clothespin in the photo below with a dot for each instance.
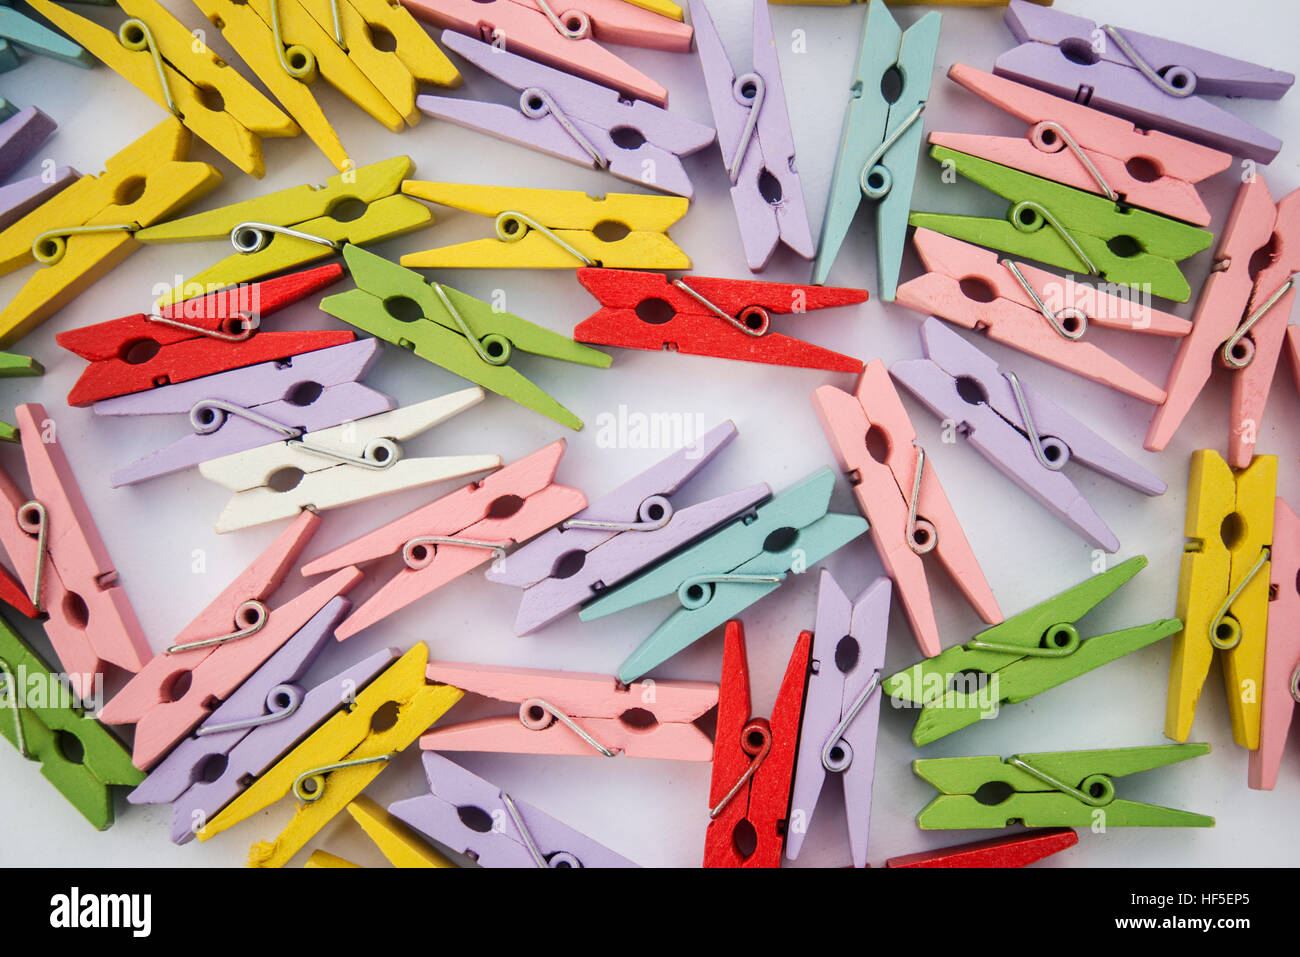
(698, 316)
(1017, 850)
(196, 337)
(13, 595)
(1240, 319)
(51, 539)
(753, 760)
(225, 644)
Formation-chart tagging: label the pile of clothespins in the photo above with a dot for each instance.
(1120, 128)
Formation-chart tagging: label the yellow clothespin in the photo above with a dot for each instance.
(556, 229)
(1223, 591)
(162, 59)
(296, 226)
(338, 760)
(401, 845)
(289, 43)
(87, 229)
(326, 859)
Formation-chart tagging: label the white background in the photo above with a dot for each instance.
(655, 812)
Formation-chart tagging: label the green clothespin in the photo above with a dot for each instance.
(462, 334)
(1072, 229)
(13, 365)
(32, 35)
(1054, 789)
(38, 716)
(1023, 656)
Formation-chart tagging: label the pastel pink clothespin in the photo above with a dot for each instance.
(455, 534)
(1034, 311)
(1240, 319)
(1280, 694)
(220, 648)
(567, 712)
(875, 443)
(1089, 150)
(570, 41)
(62, 562)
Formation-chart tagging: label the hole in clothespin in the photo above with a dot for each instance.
(627, 137)
(769, 187)
(178, 685)
(994, 793)
(381, 39)
(638, 719)
(877, 443)
(891, 84)
(780, 540)
(385, 716)
(211, 99)
(475, 818)
(129, 190)
(655, 311)
(304, 393)
(1126, 247)
(138, 351)
(569, 564)
(284, 480)
(504, 506)
(403, 308)
(744, 838)
(1078, 50)
(977, 289)
(1143, 170)
(70, 747)
(75, 611)
(971, 390)
(1264, 256)
(846, 654)
(213, 766)
(348, 209)
(610, 231)
(1232, 530)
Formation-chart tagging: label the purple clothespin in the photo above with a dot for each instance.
(244, 408)
(619, 535)
(1155, 83)
(1025, 435)
(754, 135)
(574, 119)
(515, 834)
(262, 720)
(841, 710)
(19, 198)
(20, 136)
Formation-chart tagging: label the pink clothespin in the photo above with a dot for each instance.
(1240, 318)
(455, 534)
(1089, 150)
(754, 136)
(841, 710)
(875, 443)
(567, 712)
(58, 555)
(1149, 80)
(626, 531)
(570, 41)
(1034, 311)
(220, 648)
(1281, 688)
(259, 722)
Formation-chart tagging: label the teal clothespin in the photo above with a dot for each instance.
(39, 717)
(23, 31)
(462, 334)
(1053, 789)
(1072, 229)
(881, 140)
(1023, 656)
(724, 574)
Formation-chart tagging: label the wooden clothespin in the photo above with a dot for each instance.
(255, 725)
(17, 30)
(352, 462)
(622, 533)
(880, 140)
(63, 563)
(20, 136)
(1069, 143)
(555, 228)
(753, 760)
(841, 710)
(517, 834)
(296, 226)
(1023, 434)
(1015, 850)
(1071, 229)
(397, 842)
(755, 140)
(338, 760)
(1280, 692)
(160, 57)
(696, 315)
(900, 495)
(570, 41)
(1053, 789)
(241, 409)
(227, 642)
(453, 535)
(1223, 591)
(575, 120)
(902, 3)
(464, 335)
(199, 337)
(724, 573)
(91, 226)
(568, 712)
(371, 51)
(1033, 311)
(1023, 656)
(1240, 318)
(1152, 81)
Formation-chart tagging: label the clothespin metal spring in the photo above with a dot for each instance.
(1177, 81)
(1096, 790)
(654, 513)
(922, 536)
(1225, 631)
(317, 777)
(35, 520)
(876, 180)
(837, 754)
(253, 615)
(281, 702)
(416, 553)
(534, 712)
(756, 741)
(752, 321)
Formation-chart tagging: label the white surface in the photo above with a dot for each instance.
(655, 812)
